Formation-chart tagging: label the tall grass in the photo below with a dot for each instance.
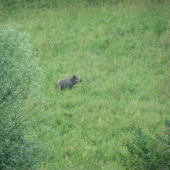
(121, 52)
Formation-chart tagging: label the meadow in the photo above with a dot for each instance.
(121, 52)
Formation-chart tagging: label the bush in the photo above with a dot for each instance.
(20, 96)
(146, 152)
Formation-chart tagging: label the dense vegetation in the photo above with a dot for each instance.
(20, 99)
(120, 50)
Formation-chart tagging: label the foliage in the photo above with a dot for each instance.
(147, 152)
(19, 100)
(17, 152)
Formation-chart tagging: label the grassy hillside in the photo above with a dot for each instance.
(121, 52)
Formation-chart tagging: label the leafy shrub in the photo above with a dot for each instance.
(20, 96)
(146, 152)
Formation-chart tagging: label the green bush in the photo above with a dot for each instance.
(20, 95)
(147, 152)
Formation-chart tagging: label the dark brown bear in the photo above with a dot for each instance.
(67, 82)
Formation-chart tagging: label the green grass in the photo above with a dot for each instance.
(121, 53)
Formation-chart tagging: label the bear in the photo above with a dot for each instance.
(67, 82)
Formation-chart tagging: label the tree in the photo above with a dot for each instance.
(20, 99)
